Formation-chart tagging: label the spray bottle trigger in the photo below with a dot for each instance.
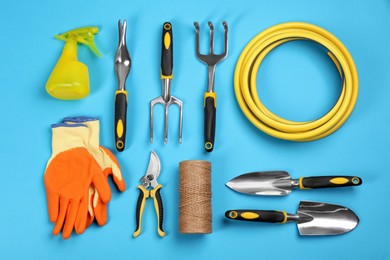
(91, 44)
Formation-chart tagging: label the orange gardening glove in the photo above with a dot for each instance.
(70, 171)
(98, 205)
(107, 162)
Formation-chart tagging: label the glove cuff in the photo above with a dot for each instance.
(80, 119)
(93, 125)
(66, 137)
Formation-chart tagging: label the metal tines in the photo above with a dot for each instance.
(211, 59)
(166, 100)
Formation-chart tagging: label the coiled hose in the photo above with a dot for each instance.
(247, 95)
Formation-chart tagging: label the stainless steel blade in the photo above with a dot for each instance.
(269, 183)
(153, 171)
(316, 218)
(122, 63)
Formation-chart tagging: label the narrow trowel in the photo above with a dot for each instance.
(279, 183)
(313, 218)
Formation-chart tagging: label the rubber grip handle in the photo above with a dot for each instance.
(120, 119)
(143, 194)
(210, 110)
(328, 182)
(158, 205)
(167, 51)
(269, 216)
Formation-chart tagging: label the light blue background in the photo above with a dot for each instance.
(297, 81)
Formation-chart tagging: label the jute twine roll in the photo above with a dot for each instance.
(195, 197)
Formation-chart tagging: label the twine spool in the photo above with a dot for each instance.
(195, 214)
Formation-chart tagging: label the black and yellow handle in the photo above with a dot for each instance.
(328, 182)
(120, 119)
(143, 195)
(158, 205)
(210, 109)
(269, 216)
(167, 52)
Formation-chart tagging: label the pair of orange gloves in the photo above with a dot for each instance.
(76, 176)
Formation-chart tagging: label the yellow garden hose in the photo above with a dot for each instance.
(246, 91)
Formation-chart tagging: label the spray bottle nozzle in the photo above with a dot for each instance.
(84, 35)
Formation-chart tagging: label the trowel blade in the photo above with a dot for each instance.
(268, 183)
(316, 218)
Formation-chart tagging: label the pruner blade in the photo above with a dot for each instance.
(153, 171)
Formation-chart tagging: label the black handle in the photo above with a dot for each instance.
(329, 182)
(159, 209)
(167, 51)
(210, 109)
(140, 209)
(120, 119)
(269, 216)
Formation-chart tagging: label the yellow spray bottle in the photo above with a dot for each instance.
(69, 78)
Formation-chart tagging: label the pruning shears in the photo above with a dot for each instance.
(150, 180)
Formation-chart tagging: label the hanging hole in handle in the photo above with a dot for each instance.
(119, 144)
(208, 145)
(233, 214)
(355, 180)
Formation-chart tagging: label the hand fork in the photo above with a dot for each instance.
(210, 104)
(166, 76)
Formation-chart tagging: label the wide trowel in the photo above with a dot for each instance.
(279, 183)
(313, 218)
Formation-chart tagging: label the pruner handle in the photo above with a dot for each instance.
(158, 205)
(143, 194)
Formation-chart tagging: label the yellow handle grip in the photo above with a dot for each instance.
(143, 194)
(158, 205)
